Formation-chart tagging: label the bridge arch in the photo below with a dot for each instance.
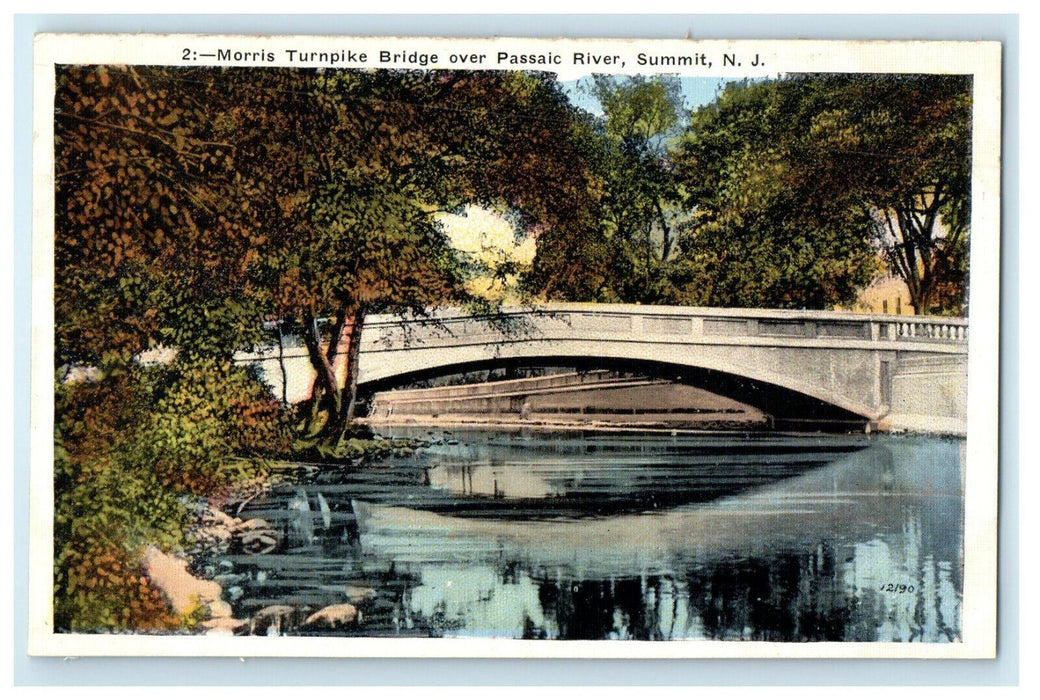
(841, 361)
(894, 371)
(787, 404)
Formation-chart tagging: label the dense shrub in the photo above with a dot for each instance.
(133, 450)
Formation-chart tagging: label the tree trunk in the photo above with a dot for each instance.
(348, 327)
(913, 248)
(353, 362)
(666, 232)
(281, 365)
(324, 392)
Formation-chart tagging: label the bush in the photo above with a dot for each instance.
(133, 449)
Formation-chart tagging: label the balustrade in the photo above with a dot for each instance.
(930, 330)
(651, 322)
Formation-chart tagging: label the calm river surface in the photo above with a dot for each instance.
(571, 535)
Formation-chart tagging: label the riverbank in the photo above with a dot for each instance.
(190, 598)
(205, 601)
(197, 582)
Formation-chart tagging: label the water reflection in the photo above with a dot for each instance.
(823, 539)
(487, 480)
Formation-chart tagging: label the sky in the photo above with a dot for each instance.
(486, 235)
(696, 92)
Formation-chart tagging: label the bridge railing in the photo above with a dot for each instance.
(930, 330)
(643, 321)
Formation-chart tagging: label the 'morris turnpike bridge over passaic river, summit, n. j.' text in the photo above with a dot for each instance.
(803, 369)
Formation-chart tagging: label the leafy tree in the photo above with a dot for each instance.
(752, 241)
(191, 205)
(401, 148)
(576, 259)
(795, 184)
(619, 255)
(641, 119)
(195, 203)
(159, 215)
(901, 146)
(158, 221)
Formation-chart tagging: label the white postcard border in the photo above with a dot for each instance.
(981, 59)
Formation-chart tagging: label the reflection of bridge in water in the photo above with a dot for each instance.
(898, 372)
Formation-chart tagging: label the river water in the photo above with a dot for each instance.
(571, 535)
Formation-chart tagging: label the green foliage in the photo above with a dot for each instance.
(192, 203)
(623, 240)
(158, 214)
(133, 449)
(352, 449)
(100, 587)
(639, 108)
(790, 194)
(796, 186)
(399, 148)
(207, 413)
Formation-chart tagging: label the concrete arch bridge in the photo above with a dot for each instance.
(882, 372)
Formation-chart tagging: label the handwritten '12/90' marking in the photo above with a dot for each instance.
(896, 588)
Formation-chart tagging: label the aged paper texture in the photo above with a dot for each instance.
(370, 346)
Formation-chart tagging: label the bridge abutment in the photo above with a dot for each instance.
(929, 394)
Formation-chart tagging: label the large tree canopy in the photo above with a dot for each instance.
(753, 240)
(793, 193)
(796, 184)
(192, 203)
(902, 151)
(402, 148)
(160, 213)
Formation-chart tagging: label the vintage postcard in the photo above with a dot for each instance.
(361, 346)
